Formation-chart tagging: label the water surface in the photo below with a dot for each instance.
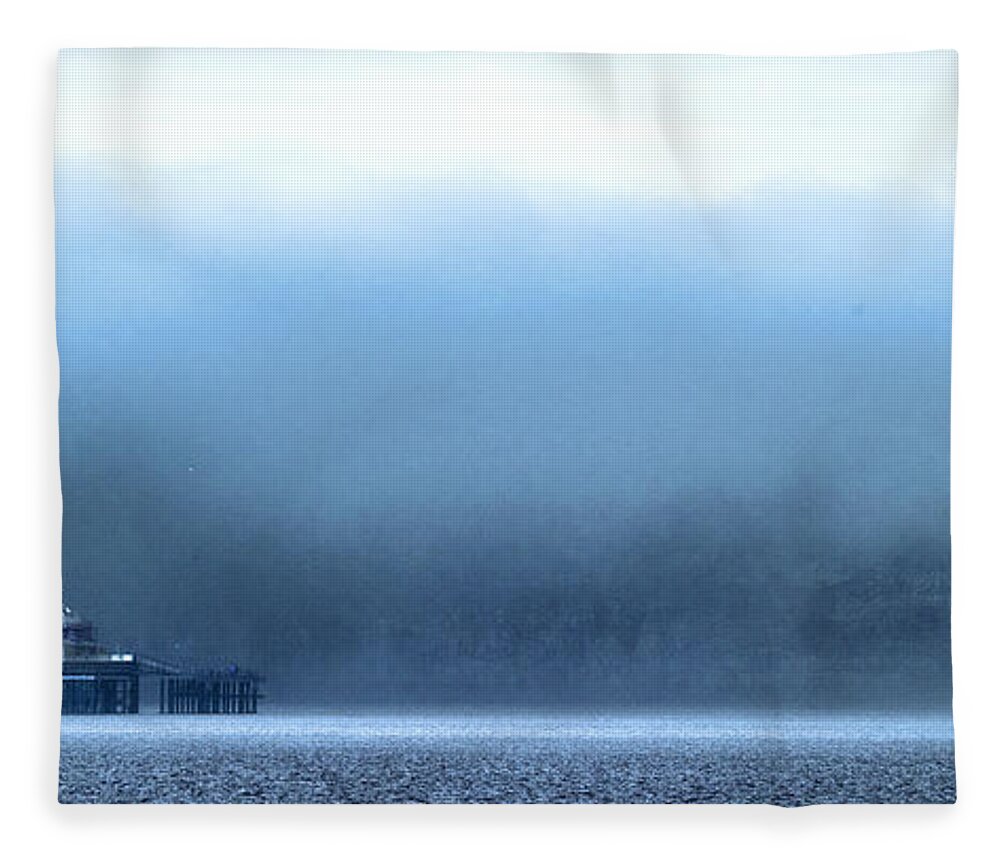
(505, 759)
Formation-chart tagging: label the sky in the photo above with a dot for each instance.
(300, 125)
(512, 380)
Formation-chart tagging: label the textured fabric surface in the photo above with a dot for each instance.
(503, 428)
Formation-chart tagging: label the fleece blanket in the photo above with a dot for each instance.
(505, 428)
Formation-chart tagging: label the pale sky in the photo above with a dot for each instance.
(319, 123)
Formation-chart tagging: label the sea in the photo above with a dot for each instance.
(793, 760)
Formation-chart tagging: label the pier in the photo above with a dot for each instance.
(107, 683)
(230, 692)
(99, 680)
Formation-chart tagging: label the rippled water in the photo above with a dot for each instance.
(517, 759)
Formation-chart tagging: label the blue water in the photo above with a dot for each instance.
(790, 761)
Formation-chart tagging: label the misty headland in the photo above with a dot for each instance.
(491, 452)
